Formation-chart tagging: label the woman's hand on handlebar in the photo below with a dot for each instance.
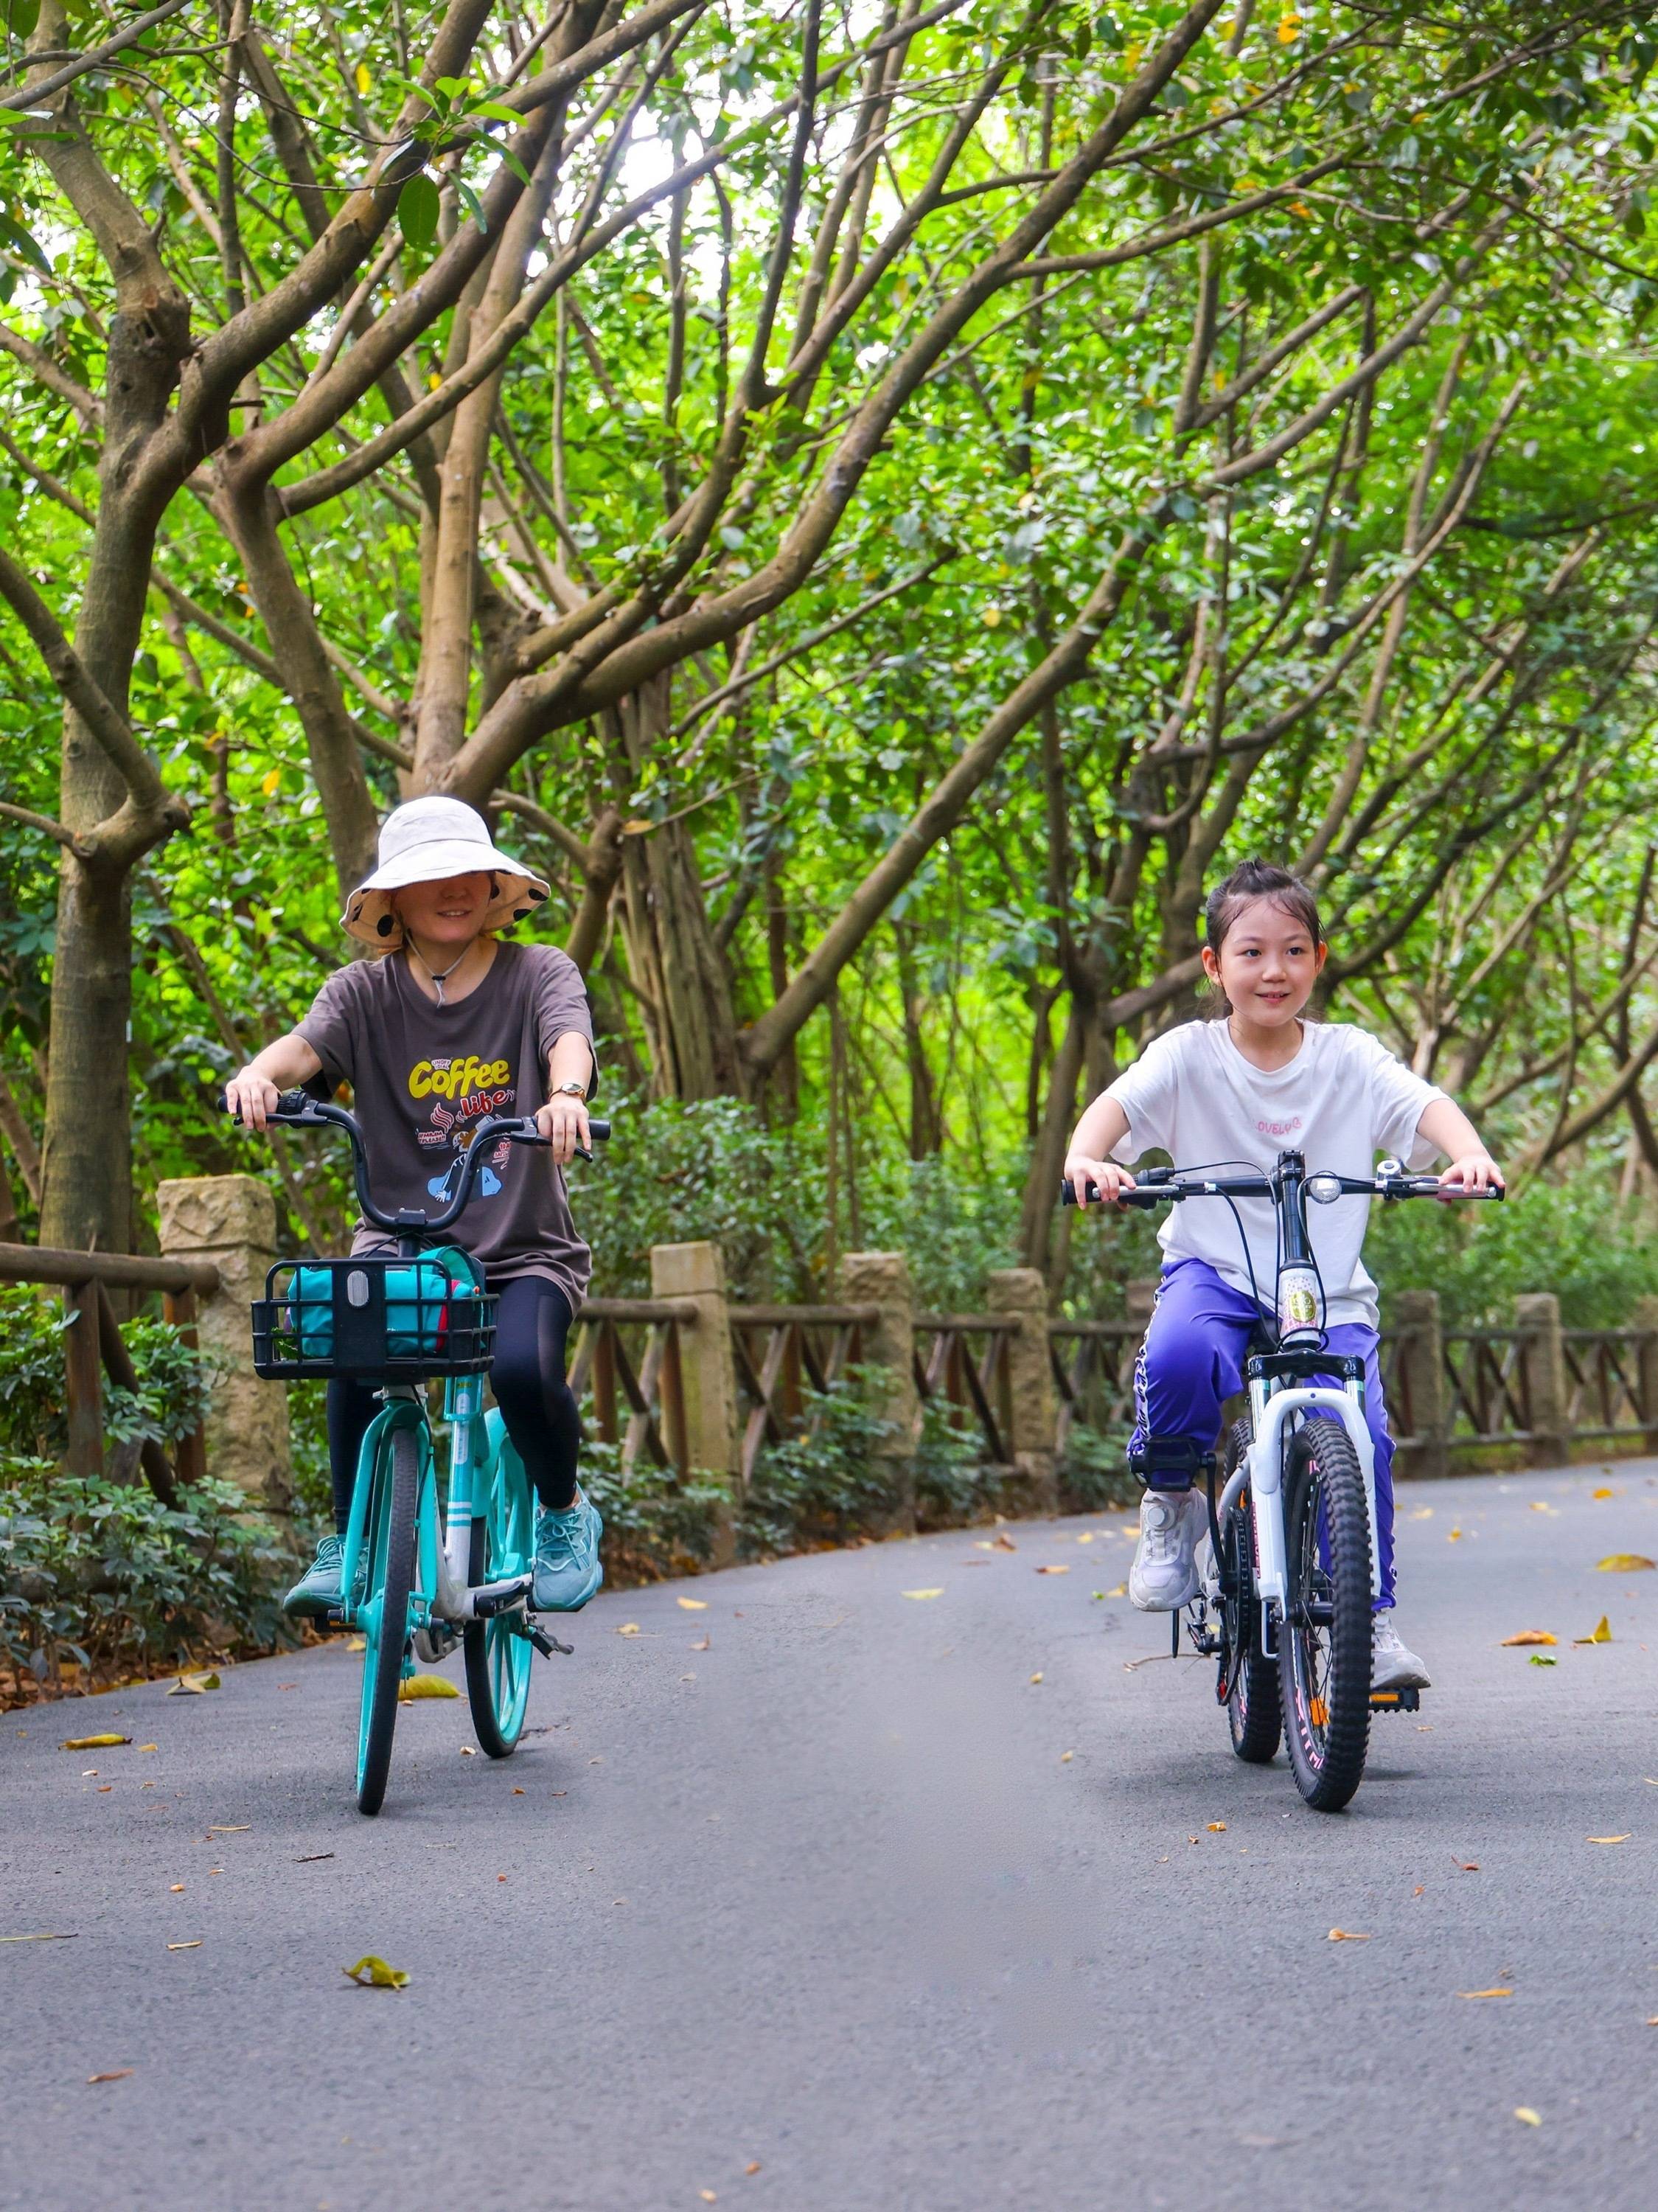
(1475, 1170)
(1108, 1179)
(250, 1098)
(563, 1123)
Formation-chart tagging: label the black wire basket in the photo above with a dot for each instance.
(386, 1318)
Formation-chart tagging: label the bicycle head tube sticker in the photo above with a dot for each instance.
(1298, 1298)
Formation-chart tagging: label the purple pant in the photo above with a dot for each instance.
(1193, 1359)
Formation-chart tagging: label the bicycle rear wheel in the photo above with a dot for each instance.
(1249, 1679)
(388, 1574)
(497, 1658)
(1324, 1639)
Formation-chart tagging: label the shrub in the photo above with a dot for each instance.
(99, 1574)
(824, 1484)
(655, 1525)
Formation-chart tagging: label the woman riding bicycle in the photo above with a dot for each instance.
(1236, 1091)
(450, 1024)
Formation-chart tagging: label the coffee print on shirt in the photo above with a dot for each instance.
(477, 1087)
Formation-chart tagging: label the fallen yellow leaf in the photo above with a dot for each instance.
(1623, 1838)
(195, 1946)
(49, 1936)
(1529, 2115)
(1530, 1636)
(1036, 1677)
(1054, 1570)
(193, 1685)
(358, 1644)
(628, 1628)
(149, 1747)
(1423, 1513)
(1484, 1993)
(1345, 1936)
(1065, 1757)
(693, 1604)
(419, 1687)
(1455, 1536)
(927, 1593)
(1602, 1492)
(1217, 1827)
(1602, 1632)
(91, 1742)
(121, 2073)
(1121, 1590)
(373, 1973)
(1086, 1536)
(1623, 1563)
(218, 1828)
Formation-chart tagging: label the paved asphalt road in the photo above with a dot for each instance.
(805, 1881)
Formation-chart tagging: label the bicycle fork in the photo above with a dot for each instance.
(1273, 1411)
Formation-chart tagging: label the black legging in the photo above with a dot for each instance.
(528, 1380)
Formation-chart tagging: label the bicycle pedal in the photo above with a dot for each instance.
(536, 1634)
(1396, 1701)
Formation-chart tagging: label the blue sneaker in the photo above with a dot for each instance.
(567, 1570)
(319, 1587)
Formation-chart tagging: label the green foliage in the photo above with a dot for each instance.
(99, 1573)
(1093, 1474)
(655, 1525)
(31, 1373)
(953, 1485)
(824, 1485)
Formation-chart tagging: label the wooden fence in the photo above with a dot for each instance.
(693, 1378)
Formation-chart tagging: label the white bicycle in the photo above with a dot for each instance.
(1296, 1569)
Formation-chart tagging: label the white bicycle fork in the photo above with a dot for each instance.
(1274, 1409)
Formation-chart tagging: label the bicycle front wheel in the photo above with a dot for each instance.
(1324, 1639)
(497, 1658)
(389, 1575)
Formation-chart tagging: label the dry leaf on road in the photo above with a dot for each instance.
(1602, 1493)
(68, 1936)
(91, 1742)
(1623, 1563)
(193, 1686)
(195, 1945)
(1054, 1570)
(419, 1687)
(693, 1604)
(628, 1628)
(1473, 1995)
(1529, 2115)
(1623, 1838)
(1121, 1590)
(1217, 1827)
(1345, 1936)
(1600, 1633)
(121, 2073)
(1530, 1636)
(373, 1973)
(1455, 1536)
(926, 1593)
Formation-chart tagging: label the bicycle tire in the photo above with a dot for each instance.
(497, 1659)
(1324, 1667)
(390, 1539)
(1254, 1711)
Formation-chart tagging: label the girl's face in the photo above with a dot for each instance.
(449, 914)
(1267, 965)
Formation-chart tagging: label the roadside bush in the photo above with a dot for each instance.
(655, 1525)
(99, 1576)
(824, 1485)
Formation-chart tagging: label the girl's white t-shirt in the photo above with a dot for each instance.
(1343, 1101)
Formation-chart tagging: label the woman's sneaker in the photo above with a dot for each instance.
(317, 1589)
(567, 1570)
(1164, 1575)
(1393, 1667)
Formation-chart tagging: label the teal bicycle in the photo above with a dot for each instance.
(426, 1567)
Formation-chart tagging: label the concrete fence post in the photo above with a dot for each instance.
(1139, 1299)
(882, 1279)
(1419, 1420)
(1645, 1318)
(230, 1220)
(1537, 1317)
(1032, 1411)
(707, 1372)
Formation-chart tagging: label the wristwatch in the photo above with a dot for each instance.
(569, 1091)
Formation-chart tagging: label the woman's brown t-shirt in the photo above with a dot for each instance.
(424, 1075)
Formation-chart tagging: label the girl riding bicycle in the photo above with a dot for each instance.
(452, 1024)
(1236, 1091)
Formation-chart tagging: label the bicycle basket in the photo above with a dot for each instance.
(375, 1317)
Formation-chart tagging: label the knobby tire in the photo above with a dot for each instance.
(1254, 1711)
(1324, 1670)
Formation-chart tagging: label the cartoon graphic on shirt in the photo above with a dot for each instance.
(477, 1087)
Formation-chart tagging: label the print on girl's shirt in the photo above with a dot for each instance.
(476, 1087)
(1280, 1128)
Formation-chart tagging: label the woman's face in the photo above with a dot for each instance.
(447, 916)
(1267, 965)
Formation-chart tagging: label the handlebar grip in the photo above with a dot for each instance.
(1144, 1198)
(290, 1102)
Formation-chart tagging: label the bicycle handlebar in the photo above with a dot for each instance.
(1160, 1185)
(297, 1109)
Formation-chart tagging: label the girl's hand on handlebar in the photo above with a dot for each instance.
(1473, 1172)
(564, 1122)
(1109, 1179)
(251, 1098)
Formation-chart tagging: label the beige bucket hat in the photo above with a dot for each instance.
(423, 843)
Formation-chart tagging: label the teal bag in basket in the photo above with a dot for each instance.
(424, 1299)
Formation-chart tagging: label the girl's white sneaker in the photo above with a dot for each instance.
(1164, 1575)
(1392, 1665)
